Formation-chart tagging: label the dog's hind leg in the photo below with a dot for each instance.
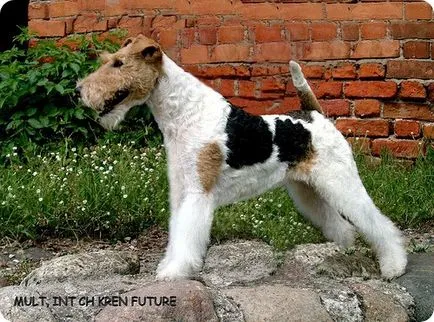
(339, 184)
(189, 233)
(321, 213)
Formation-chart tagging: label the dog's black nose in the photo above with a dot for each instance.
(78, 90)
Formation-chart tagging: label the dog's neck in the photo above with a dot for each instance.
(177, 99)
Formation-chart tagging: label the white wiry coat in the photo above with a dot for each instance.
(330, 194)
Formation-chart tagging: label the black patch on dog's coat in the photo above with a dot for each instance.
(293, 140)
(250, 140)
(301, 115)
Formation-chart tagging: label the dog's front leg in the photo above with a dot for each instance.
(189, 233)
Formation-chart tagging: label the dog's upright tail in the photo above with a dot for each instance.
(307, 97)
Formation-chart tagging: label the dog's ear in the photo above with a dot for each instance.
(127, 42)
(151, 53)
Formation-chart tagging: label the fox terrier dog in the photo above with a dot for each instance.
(219, 154)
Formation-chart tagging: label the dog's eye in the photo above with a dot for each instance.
(117, 63)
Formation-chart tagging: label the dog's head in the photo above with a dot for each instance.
(125, 79)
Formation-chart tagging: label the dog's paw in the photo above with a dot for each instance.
(172, 270)
(393, 266)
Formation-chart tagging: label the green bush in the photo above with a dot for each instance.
(37, 102)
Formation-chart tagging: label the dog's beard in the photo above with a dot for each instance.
(112, 119)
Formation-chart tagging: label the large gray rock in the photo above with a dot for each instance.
(90, 296)
(379, 306)
(83, 265)
(193, 302)
(278, 303)
(419, 281)
(342, 304)
(23, 313)
(238, 262)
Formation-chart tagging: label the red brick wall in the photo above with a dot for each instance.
(370, 63)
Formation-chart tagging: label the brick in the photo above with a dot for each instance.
(360, 145)
(373, 30)
(416, 49)
(208, 35)
(350, 31)
(63, 9)
(114, 8)
(95, 5)
(323, 50)
(208, 20)
(373, 89)
(269, 70)
(90, 23)
(217, 71)
(288, 104)
(412, 90)
(196, 54)
(364, 11)
(273, 52)
(408, 111)
(253, 106)
(405, 30)
(187, 37)
(327, 89)
(230, 34)
(407, 129)
(296, 11)
(428, 131)
(313, 71)
(323, 31)
(246, 88)
(267, 33)
(297, 31)
(335, 107)
(163, 21)
(357, 127)
(372, 70)
(227, 87)
(38, 10)
(134, 25)
(418, 11)
(398, 148)
(168, 38)
(410, 69)
(230, 53)
(430, 89)
(50, 28)
(367, 108)
(376, 49)
(344, 71)
(272, 85)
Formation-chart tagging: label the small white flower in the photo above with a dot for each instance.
(61, 202)
(83, 209)
(84, 201)
(40, 199)
(73, 149)
(123, 188)
(38, 191)
(34, 173)
(8, 155)
(125, 196)
(14, 148)
(3, 203)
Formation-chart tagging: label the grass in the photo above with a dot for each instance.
(114, 190)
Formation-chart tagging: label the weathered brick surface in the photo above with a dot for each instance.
(407, 129)
(370, 62)
(356, 127)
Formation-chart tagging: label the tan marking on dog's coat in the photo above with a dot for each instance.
(209, 162)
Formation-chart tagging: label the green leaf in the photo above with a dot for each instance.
(35, 123)
(31, 111)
